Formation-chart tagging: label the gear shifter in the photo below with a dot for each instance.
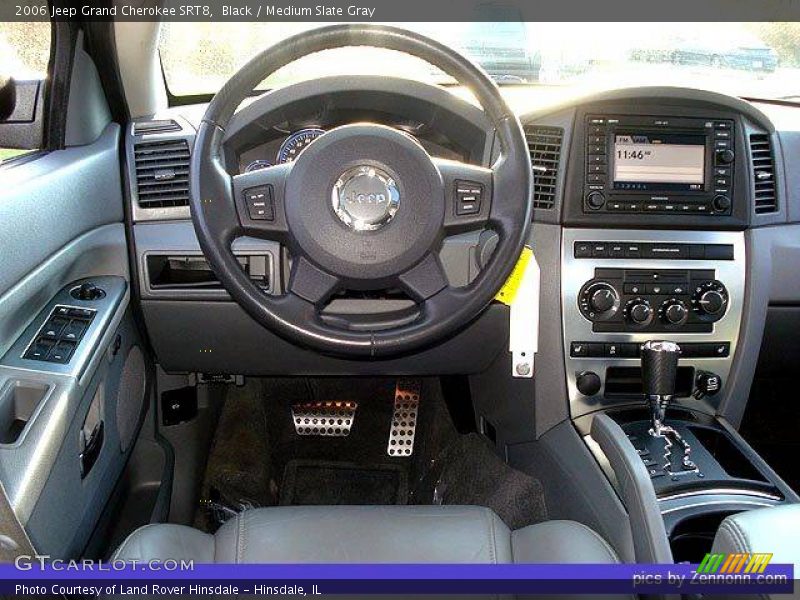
(659, 370)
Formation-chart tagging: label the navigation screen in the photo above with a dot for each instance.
(668, 161)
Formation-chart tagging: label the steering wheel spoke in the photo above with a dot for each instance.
(259, 197)
(424, 280)
(468, 195)
(311, 283)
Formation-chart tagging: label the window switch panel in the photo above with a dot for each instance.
(57, 339)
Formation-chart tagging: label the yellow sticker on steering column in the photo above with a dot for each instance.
(510, 288)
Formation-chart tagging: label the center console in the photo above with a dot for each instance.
(621, 288)
(653, 283)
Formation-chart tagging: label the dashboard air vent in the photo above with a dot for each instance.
(158, 126)
(544, 145)
(162, 173)
(766, 200)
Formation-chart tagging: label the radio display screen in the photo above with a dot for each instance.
(659, 161)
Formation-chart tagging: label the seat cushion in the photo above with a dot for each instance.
(369, 534)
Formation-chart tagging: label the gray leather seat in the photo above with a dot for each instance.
(370, 534)
(774, 530)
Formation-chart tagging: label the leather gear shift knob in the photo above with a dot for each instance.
(659, 367)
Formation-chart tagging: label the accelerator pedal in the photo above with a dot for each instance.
(329, 419)
(404, 419)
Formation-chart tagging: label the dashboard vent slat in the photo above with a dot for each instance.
(162, 173)
(155, 126)
(544, 145)
(763, 171)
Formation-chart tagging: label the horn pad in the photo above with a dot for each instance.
(364, 202)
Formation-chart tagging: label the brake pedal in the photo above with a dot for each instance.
(331, 419)
(404, 419)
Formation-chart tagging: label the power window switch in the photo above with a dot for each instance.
(74, 330)
(61, 352)
(39, 349)
(54, 326)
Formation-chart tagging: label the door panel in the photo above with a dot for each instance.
(67, 429)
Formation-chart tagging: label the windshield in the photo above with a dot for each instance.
(746, 59)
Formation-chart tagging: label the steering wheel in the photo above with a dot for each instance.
(363, 207)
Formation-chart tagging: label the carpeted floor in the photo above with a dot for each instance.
(257, 459)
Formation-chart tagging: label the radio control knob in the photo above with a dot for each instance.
(638, 312)
(710, 300)
(674, 312)
(595, 200)
(721, 203)
(725, 156)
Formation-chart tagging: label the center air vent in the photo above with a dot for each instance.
(766, 200)
(544, 145)
(162, 173)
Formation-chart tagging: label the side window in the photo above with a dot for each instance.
(24, 55)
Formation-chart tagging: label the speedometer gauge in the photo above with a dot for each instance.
(256, 165)
(296, 143)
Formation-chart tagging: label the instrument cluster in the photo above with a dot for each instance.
(286, 149)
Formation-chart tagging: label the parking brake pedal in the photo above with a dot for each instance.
(331, 419)
(404, 419)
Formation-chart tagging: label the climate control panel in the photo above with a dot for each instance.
(653, 300)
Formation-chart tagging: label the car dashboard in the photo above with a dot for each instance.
(648, 204)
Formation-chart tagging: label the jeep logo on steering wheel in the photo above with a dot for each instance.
(365, 198)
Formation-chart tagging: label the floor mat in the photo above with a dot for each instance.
(317, 483)
(238, 473)
(469, 471)
(258, 458)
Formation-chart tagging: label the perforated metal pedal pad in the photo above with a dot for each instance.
(332, 419)
(404, 419)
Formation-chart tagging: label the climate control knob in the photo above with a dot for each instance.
(638, 312)
(599, 301)
(710, 300)
(674, 312)
(603, 299)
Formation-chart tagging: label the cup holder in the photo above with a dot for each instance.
(691, 538)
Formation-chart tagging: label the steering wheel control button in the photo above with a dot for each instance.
(468, 198)
(365, 198)
(260, 203)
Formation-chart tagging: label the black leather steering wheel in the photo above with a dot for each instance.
(363, 207)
